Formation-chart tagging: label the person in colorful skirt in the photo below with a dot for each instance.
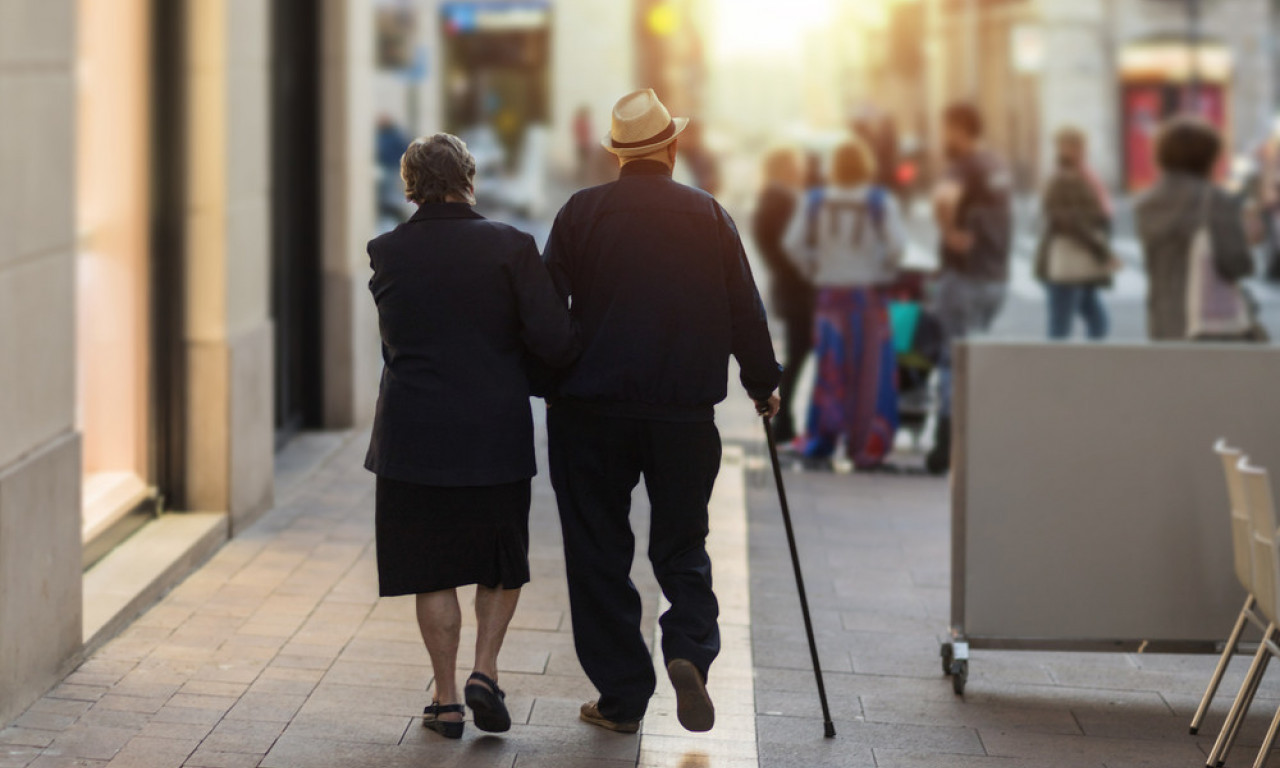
(849, 238)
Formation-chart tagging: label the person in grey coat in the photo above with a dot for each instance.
(1169, 215)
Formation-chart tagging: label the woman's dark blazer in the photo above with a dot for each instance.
(462, 303)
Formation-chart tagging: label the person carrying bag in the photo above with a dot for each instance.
(1218, 309)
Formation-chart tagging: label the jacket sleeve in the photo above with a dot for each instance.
(559, 252)
(545, 326)
(752, 344)
(1231, 252)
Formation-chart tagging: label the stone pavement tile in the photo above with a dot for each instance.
(287, 680)
(203, 701)
(121, 703)
(90, 741)
(243, 736)
(170, 713)
(821, 752)
(52, 761)
(148, 752)
(573, 740)
(15, 736)
(70, 707)
(560, 761)
(14, 756)
(898, 758)
(294, 752)
(275, 707)
(78, 692)
(162, 730)
(115, 718)
(45, 721)
(1150, 752)
(349, 726)
(796, 731)
(414, 677)
(207, 758)
(213, 688)
(957, 711)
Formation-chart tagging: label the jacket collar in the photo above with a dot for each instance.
(444, 211)
(645, 168)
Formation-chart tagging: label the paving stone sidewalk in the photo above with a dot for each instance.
(278, 653)
(877, 558)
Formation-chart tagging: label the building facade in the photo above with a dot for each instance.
(182, 283)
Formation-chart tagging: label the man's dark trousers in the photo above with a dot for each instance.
(597, 458)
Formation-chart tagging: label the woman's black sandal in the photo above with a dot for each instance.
(446, 728)
(488, 703)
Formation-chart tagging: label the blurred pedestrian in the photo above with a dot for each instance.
(1074, 259)
(973, 210)
(1184, 203)
(663, 294)
(850, 240)
(791, 292)
(461, 301)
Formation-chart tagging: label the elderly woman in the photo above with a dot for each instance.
(462, 303)
(1184, 201)
(1074, 259)
(849, 239)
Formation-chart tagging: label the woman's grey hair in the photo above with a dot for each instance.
(436, 168)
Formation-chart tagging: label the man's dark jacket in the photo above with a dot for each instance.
(463, 302)
(661, 295)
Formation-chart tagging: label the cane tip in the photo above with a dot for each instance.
(829, 730)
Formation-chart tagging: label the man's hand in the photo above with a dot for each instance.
(769, 407)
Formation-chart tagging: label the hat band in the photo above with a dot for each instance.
(662, 135)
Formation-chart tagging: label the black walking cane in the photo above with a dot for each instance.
(829, 728)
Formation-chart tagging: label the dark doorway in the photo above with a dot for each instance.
(295, 238)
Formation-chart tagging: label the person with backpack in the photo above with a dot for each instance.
(849, 239)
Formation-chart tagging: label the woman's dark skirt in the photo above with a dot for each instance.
(431, 538)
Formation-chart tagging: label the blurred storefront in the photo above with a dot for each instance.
(1112, 68)
(184, 201)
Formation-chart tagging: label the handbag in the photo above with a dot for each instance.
(1071, 262)
(1216, 308)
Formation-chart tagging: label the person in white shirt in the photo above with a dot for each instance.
(849, 239)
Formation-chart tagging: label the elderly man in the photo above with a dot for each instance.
(662, 295)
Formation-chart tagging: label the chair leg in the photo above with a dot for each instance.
(1217, 755)
(1264, 752)
(1216, 680)
(1254, 685)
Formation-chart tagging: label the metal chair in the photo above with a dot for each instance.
(1241, 544)
(1265, 570)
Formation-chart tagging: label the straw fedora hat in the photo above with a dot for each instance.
(642, 125)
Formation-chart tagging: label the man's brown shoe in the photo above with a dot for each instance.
(693, 705)
(590, 713)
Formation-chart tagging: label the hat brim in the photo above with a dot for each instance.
(680, 124)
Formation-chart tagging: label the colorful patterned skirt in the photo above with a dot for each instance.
(855, 393)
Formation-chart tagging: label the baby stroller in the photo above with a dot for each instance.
(917, 341)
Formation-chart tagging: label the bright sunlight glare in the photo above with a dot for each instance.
(766, 27)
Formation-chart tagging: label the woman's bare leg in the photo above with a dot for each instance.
(440, 620)
(494, 609)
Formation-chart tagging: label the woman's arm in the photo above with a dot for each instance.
(546, 327)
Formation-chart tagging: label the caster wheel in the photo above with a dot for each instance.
(947, 654)
(959, 676)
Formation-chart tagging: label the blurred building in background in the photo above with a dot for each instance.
(1114, 68)
(185, 193)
